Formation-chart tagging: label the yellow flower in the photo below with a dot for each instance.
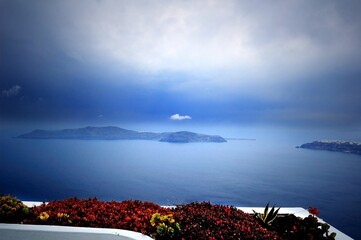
(44, 216)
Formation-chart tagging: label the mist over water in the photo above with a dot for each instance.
(239, 172)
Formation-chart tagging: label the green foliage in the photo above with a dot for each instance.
(324, 231)
(12, 210)
(266, 218)
(166, 227)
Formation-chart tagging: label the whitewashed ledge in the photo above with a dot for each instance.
(34, 232)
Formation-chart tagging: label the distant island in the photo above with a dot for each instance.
(335, 146)
(116, 133)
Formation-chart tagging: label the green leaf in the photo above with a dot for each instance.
(266, 209)
(333, 235)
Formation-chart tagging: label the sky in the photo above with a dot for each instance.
(295, 63)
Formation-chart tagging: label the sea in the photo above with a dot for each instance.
(263, 165)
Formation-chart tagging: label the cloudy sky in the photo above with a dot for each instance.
(240, 62)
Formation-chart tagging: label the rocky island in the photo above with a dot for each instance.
(335, 146)
(185, 137)
(116, 133)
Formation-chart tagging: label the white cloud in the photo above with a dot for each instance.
(206, 37)
(177, 117)
(13, 91)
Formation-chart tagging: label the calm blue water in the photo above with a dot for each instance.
(240, 173)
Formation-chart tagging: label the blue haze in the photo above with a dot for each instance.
(240, 173)
(79, 63)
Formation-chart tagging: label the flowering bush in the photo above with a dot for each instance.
(130, 215)
(12, 210)
(207, 221)
(187, 222)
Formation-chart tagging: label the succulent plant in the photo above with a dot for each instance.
(201, 221)
(166, 227)
(12, 210)
(266, 218)
(206, 221)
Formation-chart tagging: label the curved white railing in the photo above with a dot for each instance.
(35, 232)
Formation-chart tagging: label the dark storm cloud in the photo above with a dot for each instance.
(243, 61)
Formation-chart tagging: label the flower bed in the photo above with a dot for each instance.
(130, 215)
(211, 222)
(186, 222)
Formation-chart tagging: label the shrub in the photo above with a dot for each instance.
(296, 228)
(12, 210)
(210, 222)
(129, 215)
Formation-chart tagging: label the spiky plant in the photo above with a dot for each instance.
(266, 218)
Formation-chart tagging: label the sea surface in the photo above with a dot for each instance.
(239, 172)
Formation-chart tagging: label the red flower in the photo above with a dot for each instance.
(313, 211)
(91, 217)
